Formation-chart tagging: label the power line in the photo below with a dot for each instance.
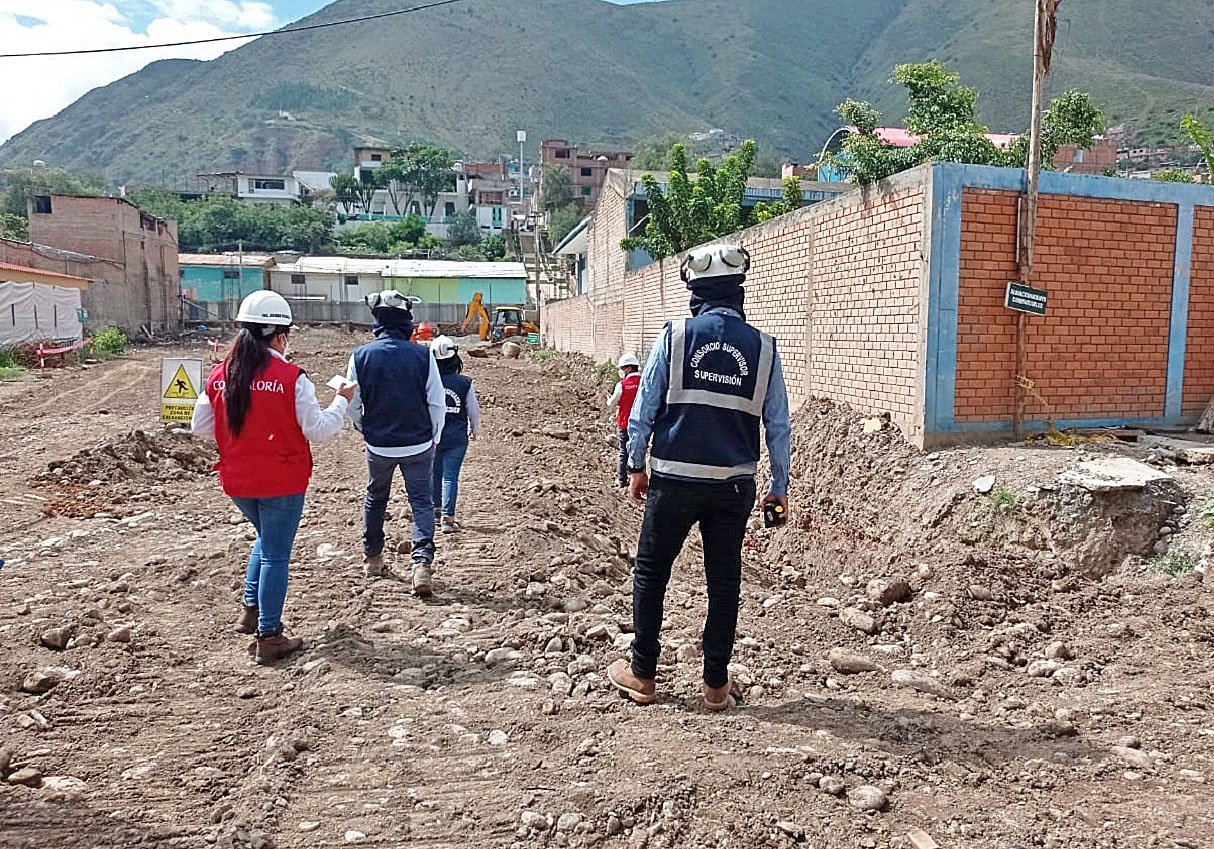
(424, 6)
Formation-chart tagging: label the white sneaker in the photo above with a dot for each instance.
(449, 525)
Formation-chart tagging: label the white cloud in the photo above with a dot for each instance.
(39, 87)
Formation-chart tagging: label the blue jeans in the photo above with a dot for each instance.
(265, 585)
(447, 463)
(416, 471)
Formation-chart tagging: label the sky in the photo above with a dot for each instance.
(37, 88)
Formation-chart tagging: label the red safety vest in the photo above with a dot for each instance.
(271, 457)
(628, 393)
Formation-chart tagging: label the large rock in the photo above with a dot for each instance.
(855, 618)
(867, 798)
(887, 592)
(850, 663)
(922, 682)
(45, 680)
(1112, 474)
(56, 638)
(26, 776)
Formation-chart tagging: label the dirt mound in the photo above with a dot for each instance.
(107, 477)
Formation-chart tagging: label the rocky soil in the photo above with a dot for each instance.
(920, 663)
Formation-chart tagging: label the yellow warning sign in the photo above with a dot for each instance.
(180, 388)
(176, 413)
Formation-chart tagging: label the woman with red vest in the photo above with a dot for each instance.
(623, 396)
(262, 411)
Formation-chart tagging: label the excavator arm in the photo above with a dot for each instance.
(477, 312)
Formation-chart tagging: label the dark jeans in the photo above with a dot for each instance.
(671, 509)
(622, 474)
(447, 463)
(265, 585)
(417, 471)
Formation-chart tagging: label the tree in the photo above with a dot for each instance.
(222, 223)
(561, 222)
(1201, 136)
(943, 114)
(794, 198)
(690, 212)
(493, 248)
(160, 201)
(556, 188)
(767, 165)
(653, 153)
(14, 227)
(418, 171)
(1175, 175)
(345, 190)
(23, 183)
(462, 229)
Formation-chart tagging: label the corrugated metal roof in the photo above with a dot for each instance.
(445, 268)
(332, 265)
(226, 260)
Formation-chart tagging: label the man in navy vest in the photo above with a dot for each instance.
(709, 382)
(400, 408)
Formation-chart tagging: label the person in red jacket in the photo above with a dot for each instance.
(623, 396)
(262, 411)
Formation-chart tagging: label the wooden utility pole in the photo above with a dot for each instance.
(1044, 29)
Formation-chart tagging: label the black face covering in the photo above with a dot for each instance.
(726, 291)
(392, 320)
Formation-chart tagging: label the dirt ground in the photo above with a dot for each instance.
(914, 657)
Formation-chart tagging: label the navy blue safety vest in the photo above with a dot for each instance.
(456, 388)
(708, 428)
(392, 374)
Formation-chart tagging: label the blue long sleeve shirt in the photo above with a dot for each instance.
(655, 380)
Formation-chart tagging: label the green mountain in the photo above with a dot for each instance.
(470, 74)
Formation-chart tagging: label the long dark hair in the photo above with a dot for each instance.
(451, 365)
(249, 357)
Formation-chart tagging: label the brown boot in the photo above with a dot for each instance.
(643, 691)
(275, 647)
(718, 698)
(247, 623)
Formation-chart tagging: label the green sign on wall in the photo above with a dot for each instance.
(1024, 298)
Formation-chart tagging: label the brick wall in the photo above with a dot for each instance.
(565, 325)
(1102, 349)
(138, 282)
(862, 256)
(1199, 346)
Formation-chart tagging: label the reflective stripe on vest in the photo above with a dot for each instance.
(699, 470)
(677, 393)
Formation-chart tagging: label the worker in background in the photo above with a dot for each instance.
(400, 410)
(262, 411)
(463, 424)
(424, 334)
(708, 383)
(621, 399)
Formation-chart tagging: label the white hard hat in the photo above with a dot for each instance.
(628, 359)
(391, 299)
(717, 260)
(444, 348)
(265, 307)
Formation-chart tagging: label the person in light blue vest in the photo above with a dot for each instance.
(400, 409)
(463, 424)
(709, 382)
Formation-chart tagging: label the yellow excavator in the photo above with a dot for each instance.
(507, 321)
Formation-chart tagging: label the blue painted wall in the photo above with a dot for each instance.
(206, 282)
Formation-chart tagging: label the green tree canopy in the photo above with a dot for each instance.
(462, 230)
(417, 171)
(23, 183)
(653, 153)
(561, 222)
(943, 113)
(690, 212)
(556, 188)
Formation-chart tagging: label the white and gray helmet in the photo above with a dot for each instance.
(391, 299)
(716, 260)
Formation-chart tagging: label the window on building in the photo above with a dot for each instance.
(377, 157)
(269, 185)
(41, 204)
(147, 222)
(586, 172)
(298, 279)
(449, 208)
(366, 175)
(351, 279)
(231, 274)
(586, 190)
(562, 153)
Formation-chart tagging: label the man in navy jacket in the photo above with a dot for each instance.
(400, 408)
(710, 381)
